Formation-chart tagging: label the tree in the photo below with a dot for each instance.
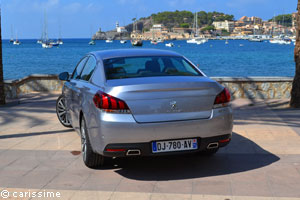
(2, 94)
(295, 93)
(184, 25)
(225, 32)
(286, 20)
(208, 28)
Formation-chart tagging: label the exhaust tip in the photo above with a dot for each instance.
(213, 145)
(133, 152)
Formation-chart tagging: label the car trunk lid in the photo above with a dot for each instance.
(163, 99)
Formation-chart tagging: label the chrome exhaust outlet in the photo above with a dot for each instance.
(133, 152)
(213, 145)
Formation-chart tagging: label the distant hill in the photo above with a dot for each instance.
(170, 20)
(286, 20)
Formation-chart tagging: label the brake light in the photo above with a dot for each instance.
(109, 103)
(222, 99)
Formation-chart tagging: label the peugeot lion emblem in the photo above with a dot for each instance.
(173, 105)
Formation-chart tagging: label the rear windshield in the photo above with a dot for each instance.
(134, 67)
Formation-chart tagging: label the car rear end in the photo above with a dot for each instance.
(159, 112)
(146, 119)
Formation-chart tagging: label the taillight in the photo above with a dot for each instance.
(222, 99)
(109, 103)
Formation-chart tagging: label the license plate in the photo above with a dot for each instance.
(174, 145)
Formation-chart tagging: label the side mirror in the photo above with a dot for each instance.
(64, 76)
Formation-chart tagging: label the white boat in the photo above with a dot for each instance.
(137, 43)
(153, 42)
(60, 42)
(255, 39)
(226, 42)
(46, 45)
(123, 41)
(109, 40)
(54, 44)
(12, 35)
(92, 42)
(16, 42)
(281, 41)
(201, 41)
(192, 41)
(171, 44)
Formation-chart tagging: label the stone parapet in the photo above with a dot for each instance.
(258, 87)
(240, 87)
(32, 83)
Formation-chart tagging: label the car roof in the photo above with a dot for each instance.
(115, 53)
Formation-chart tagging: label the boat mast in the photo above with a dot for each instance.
(196, 21)
(46, 27)
(12, 33)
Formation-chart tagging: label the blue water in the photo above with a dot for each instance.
(214, 57)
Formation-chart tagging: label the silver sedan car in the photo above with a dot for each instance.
(143, 102)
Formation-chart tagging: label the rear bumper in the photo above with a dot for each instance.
(122, 129)
(146, 148)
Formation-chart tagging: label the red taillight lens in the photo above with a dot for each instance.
(223, 98)
(109, 103)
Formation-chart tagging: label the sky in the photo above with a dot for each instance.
(82, 18)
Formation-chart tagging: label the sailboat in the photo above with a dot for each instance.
(59, 40)
(11, 37)
(92, 41)
(136, 42)
(46, 44)
(196, 39)
(121, 40)
(109, 40)
(153, 40)
(16, 42)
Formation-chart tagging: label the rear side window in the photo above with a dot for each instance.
(88, 69)
(148, 66)
(78, 69)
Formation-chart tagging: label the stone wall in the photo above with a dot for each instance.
(32, 83)
(258, 87)
(243, 87)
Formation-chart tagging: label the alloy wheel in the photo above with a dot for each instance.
(62, 113)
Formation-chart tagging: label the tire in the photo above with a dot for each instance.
(61, 112)
(90, 159)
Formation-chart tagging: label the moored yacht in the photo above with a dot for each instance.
(137, 42)
(171, 44)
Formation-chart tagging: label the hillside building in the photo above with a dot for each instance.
(227, 25)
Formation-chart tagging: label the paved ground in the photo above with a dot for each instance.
(37, 154)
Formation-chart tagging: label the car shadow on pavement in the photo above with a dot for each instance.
(239, 156)
(18, 135)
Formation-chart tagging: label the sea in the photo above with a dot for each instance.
(238, 58)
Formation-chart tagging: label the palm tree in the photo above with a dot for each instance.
(295, 93)
(2, 95)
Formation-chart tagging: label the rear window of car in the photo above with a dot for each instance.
(148, 66)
